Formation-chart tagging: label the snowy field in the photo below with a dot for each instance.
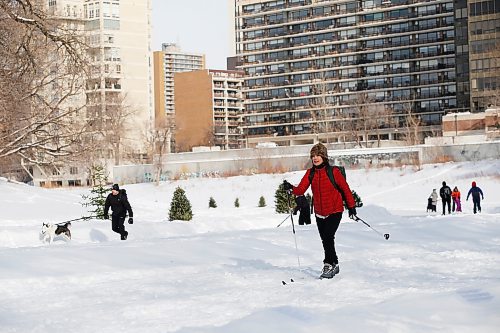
(223, 271)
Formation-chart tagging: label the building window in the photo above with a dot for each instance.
(73, 170)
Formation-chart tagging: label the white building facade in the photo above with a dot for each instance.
(118, 38)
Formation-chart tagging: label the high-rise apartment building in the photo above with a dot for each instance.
(484, 51)
(118, 90)
(345, 70)
(119, 39)
(208, 109)
(170, 60)
(462, 55)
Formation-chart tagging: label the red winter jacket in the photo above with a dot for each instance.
(327, 200)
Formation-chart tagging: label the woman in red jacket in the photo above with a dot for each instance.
(328, 204)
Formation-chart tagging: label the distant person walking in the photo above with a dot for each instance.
(445, 194)
(455, 196)
(476, 199)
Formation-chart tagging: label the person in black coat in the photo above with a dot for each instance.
(476, 192)
(302, 205)
(445, 194)
(119, 204)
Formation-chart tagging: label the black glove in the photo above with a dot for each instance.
(106, 216)
(352, 213)
(287, 186)
(130, 220)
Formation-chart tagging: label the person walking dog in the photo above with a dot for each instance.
(118, 202)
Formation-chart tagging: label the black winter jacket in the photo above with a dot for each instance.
(119, 205)
(445, 192)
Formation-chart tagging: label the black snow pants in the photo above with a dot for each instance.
(327, 228)
(117, 224)
(477, 204)
(446, 201)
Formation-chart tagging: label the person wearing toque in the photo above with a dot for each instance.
(117, 200)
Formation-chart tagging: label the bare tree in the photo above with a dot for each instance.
(158, 144)
(361, 117)
(412, 123)
(116, 126)
(42, 75)
(380, 118)
(322, 113)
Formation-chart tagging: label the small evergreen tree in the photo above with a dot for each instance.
(237, 203)
(212, 203)
(281, 200)
(97, 197)
(180, 207)
(357, 199)
(262, 202)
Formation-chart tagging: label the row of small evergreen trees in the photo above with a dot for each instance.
(180, 207)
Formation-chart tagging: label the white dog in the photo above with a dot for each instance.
(50, 231)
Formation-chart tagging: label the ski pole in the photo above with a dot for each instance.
(283, 221)
(293, 229)
(357, 219)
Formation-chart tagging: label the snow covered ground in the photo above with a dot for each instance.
(222, 272)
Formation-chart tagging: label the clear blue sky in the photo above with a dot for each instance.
(199, 26)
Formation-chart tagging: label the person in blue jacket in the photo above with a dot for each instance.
(475, 191)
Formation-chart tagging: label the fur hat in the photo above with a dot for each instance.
(115, 187)
(319, 149)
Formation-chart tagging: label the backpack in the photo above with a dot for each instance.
(329, 172)
(123, 195)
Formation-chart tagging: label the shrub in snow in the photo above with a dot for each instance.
(262, 202)
(357, 199)
(180, 207)
(212, 203)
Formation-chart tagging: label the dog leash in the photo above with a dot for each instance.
(81, 218)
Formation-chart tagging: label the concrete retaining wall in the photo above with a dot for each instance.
(292, 158)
